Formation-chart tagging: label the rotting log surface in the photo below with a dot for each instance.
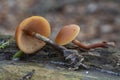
(102, 58)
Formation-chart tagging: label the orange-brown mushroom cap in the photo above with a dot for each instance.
(29, 44)
(67, 34)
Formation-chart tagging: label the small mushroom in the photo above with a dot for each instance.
(68, 34)
(31, 35)
(29, 44)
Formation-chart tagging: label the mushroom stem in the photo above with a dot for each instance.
(40, 37)
(92, 46)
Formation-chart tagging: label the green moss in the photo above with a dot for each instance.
(14, 72)
(4, 45)
(17, 70)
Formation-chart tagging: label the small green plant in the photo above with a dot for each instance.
(4, 45)
(17, 55)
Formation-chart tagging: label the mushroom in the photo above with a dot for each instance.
(31, 35)
(68, 34)
(29, 44)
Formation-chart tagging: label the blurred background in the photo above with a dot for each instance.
(99, 20)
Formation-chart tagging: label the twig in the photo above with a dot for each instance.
(105, 70)
(28, 76)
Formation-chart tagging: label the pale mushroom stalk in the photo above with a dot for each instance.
(48, 41)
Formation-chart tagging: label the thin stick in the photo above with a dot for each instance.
(40, 37)
(17, 55)
(28, 76)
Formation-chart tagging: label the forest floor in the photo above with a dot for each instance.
(49, 64)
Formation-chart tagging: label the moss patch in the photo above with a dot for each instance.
(14, 72)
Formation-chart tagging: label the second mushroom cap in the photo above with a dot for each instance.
(67, 34)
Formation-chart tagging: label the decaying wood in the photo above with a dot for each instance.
(100, 58)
